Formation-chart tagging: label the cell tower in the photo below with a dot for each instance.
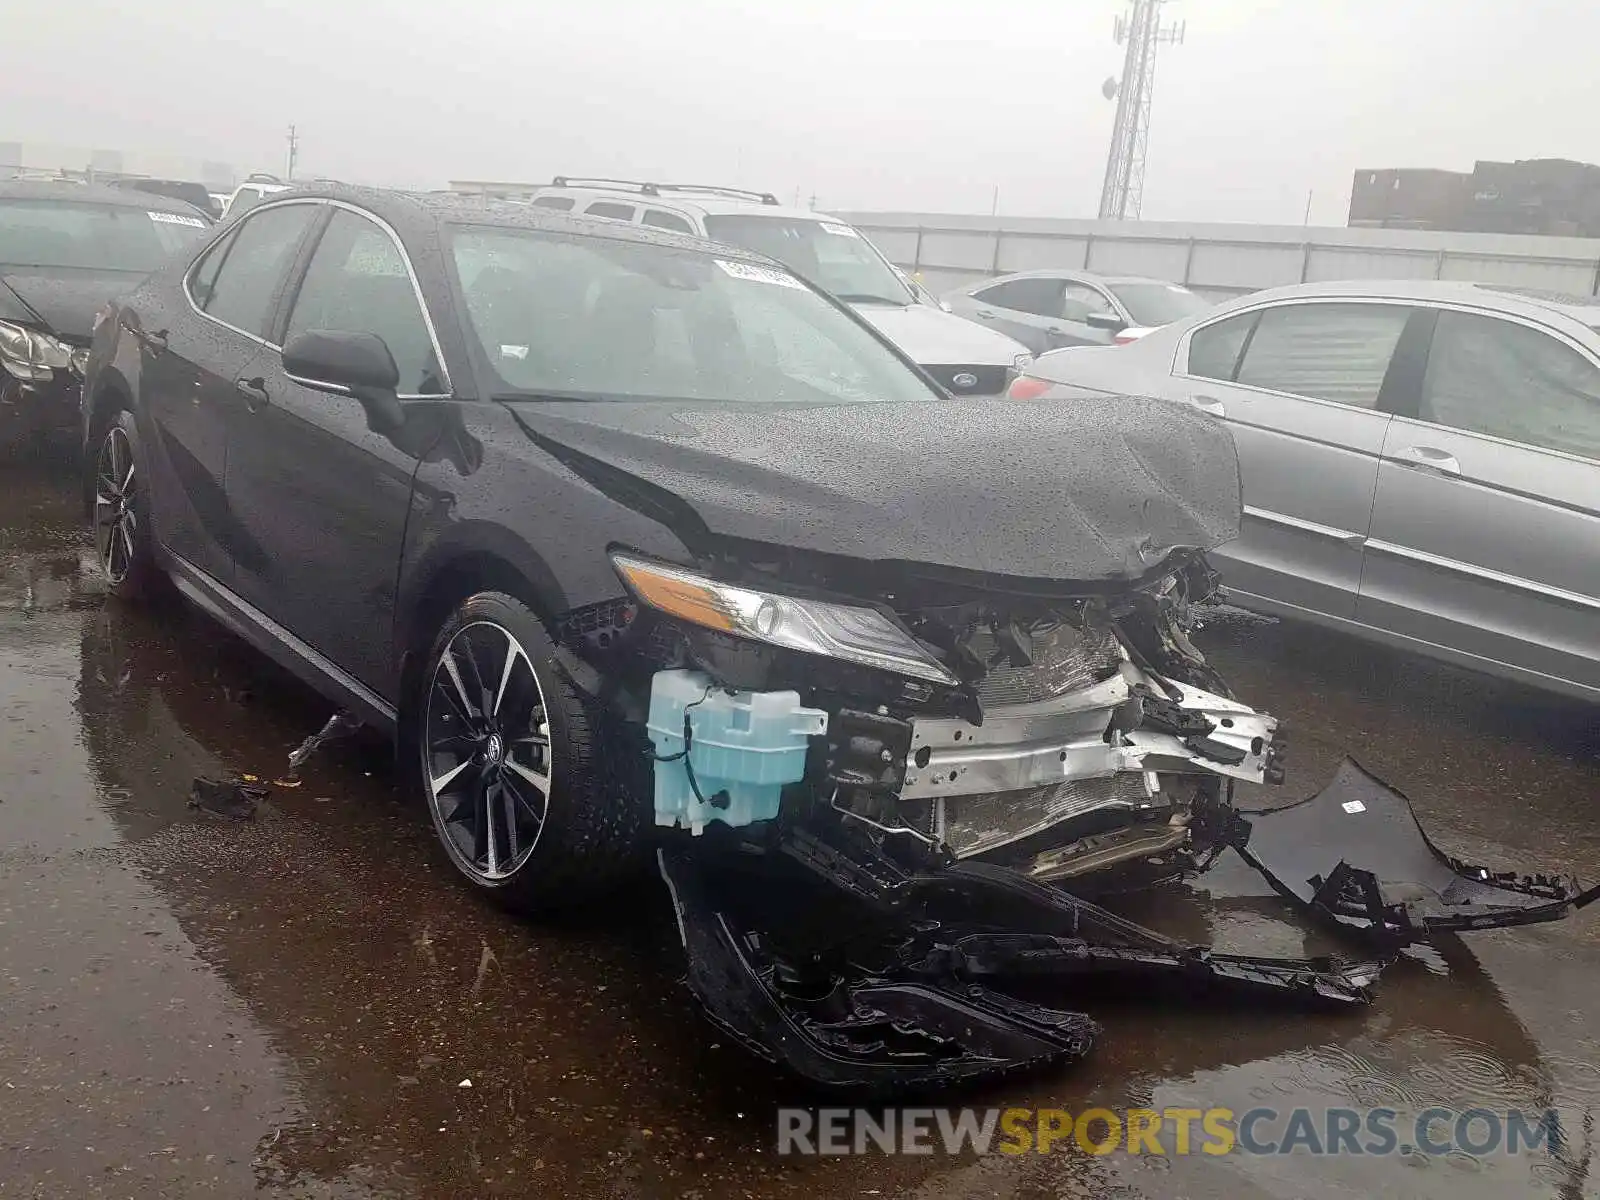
(1142, 30)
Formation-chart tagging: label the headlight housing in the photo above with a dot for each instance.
(854, 634)
(31, 356)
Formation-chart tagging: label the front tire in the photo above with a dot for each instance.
(509, 767)
(120, 505)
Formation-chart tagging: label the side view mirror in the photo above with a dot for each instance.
(1108, 321)
(349, 364)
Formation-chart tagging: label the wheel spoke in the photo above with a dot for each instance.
(535, 811)
(127, 543)
(477, 674)
(538, 780)
(480, 815)
(512, 651)
(491, 795)
(455, 678)
(440, 782)
(508, 808)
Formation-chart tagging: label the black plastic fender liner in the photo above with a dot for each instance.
(1355, 854)
(867, 1035)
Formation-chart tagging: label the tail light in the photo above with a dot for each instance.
(1125, 339)
(1026, 387)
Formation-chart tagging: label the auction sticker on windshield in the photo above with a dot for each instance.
(834, 227)
(166, 218)
(757, 274)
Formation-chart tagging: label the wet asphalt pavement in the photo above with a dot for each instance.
(193, 1006)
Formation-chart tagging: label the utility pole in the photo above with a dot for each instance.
(294, 153)
(1141, 28)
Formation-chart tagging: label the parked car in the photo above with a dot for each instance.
(1421, 461)
(829, 252)
(65, 250)
(1046, 310)
(452, 505)
(256, 188)
(194, 194)
(610, 527)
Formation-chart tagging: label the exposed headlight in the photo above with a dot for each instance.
(858, 635)
(31, 356)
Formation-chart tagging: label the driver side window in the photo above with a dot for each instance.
(357, 282)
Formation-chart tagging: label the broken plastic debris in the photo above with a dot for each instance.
(339, 725)
(465, 1083)
(1355, 854)
(226, 797)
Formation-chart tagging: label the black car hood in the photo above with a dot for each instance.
(65, 299)
(1077, 490)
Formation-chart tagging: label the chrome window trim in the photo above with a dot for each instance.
(1472, 571)
(411, 274)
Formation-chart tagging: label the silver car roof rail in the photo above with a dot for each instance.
(643, 188)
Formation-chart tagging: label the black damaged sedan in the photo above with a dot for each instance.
(66, 249)
(633, 541)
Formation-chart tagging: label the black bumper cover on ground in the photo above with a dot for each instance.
(863, 974)
(1355, 854)
(923, 988)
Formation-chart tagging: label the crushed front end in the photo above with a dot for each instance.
(872, 795)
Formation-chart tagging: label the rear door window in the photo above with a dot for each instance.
(263, 247)
(1214, 349)
(665, 220)
(1505, 379)
(607, 208)
(1337, 352)
(1040, 297)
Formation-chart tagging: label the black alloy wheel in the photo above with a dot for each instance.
(509, 763)
(121, 512)
(488, 761)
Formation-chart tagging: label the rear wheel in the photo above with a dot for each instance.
(122, 533)
(509, 766)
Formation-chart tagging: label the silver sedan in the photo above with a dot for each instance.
(1421, 461)
(1052, 308)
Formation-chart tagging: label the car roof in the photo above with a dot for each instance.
(704, 204)
(419, 213)
(1507, 298)
(1065, 273)
(92, 193)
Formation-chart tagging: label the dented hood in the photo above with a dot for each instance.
(1095, 489)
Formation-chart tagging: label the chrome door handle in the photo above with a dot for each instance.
(1209, 404)
(1429, 457)
(985, 314)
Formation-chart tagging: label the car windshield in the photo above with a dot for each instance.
(105, 237)
(1158, 303)
(831, 254)
(561, 316)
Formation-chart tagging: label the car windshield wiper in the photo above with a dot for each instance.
(537, 397)
(869, 298)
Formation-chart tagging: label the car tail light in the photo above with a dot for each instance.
(1125, 339)
(1026, 387)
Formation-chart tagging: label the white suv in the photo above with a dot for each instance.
(252, 192)
(966, 359)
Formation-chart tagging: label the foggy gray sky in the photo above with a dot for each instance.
(920, 105)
